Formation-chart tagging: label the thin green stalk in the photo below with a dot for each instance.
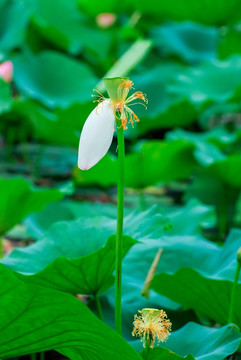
(1, 248)
(38, 162)
(33, 356)
(233, 293)
(99, 308)
(42, 355)
(147, 348)
(222, 218)
(142, 200)
(119, 230)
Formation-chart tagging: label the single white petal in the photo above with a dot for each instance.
(97, 135)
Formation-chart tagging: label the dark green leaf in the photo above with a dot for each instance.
(204, 279)
(36, 319)
(19, 199)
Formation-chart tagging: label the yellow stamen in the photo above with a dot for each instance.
(152, 324)
(125, 114)
(140, 95)
(127, 84)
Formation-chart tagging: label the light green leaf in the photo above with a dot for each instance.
(190, 41)
(128, 61)
(215, 81)
(217, 344)
(53, 78)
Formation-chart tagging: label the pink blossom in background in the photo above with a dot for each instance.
(6, 71)
(105, 20)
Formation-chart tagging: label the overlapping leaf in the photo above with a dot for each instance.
(204, 283)
(35, 319)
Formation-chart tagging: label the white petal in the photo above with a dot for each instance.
(96, 136)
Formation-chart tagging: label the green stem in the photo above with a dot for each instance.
(231, 307)
(99, 308)
(42, 355)
(147, 348)
(142, 200)
(120, 214)
(1, 248)
(33, 356)
(38, 162)
(222, 218)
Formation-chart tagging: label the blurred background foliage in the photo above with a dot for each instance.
(184, 55)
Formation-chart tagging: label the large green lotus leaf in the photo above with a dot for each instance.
(53, 78)
(216, 81)
(61, 22)
(189, 41)
(204, 284)
(154, 161)
(14, 16)
(210, 12)
(81, 238)
(38, 223)
(148, 227)
(216, 343)
(36, 319)
(19, 199)
(199, 216)
(83, 243)
(165, 110)
(88, 274)
(5, 96)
